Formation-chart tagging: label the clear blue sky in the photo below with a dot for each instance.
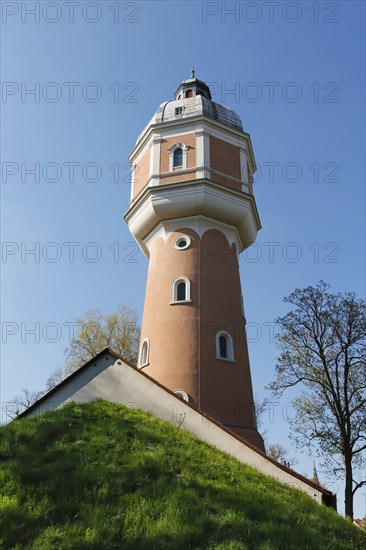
(295, 74)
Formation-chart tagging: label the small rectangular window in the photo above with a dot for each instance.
(178, 111)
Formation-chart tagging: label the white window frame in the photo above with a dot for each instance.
(174, 293)
(140, 363)
(230, 347)
(171, 150)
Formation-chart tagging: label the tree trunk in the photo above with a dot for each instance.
(348, 495)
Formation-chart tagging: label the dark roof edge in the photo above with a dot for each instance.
(71, 377)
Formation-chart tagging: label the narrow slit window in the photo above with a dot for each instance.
(223, 346)
(144, 356)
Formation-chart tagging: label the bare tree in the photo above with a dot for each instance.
(323, 343)
(95, 331)
(56, 377)
(262, 409)
(278, 452)
(20, 403)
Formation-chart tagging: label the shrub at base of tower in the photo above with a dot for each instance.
(102, 476)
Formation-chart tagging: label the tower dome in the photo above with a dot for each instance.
(193, 98)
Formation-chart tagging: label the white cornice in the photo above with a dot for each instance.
(199, 224)
(188, 199)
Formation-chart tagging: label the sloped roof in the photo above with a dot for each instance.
(72, 376)
(197, 105)
(192, 107)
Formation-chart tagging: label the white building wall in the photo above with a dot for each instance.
(117, 382)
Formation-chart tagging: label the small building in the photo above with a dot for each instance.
(108, 376)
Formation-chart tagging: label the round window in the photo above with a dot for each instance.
(182, 242)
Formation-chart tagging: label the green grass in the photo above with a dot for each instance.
(101, 476)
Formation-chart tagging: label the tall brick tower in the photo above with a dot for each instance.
(192, 212)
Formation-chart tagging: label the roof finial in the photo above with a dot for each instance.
(193, 71)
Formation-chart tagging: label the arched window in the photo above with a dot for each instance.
(189, 93)
(224, 346)
(181, 290)
(182, 394)
(178, 158)
(144, 353)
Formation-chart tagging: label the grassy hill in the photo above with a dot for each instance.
(101, 476)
